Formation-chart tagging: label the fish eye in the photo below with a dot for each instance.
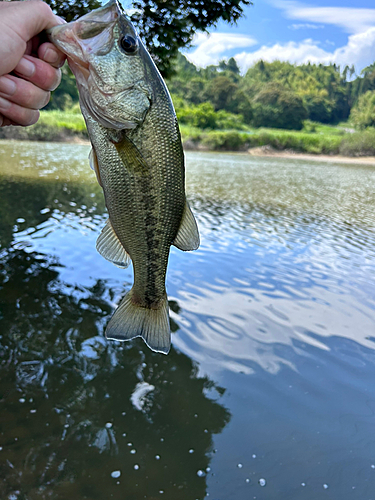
(129, 44)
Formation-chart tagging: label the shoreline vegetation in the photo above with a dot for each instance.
(275, 108)
(314, 139)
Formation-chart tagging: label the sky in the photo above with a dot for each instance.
(319, 31)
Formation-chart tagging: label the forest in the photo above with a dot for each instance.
(309, 108)
(276, 95)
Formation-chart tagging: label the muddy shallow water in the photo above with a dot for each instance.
(269, 389)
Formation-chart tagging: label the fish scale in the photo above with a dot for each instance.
(138, 159)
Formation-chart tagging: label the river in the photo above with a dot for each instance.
(269, 389)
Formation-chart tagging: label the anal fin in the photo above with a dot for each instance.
(111, 248)
(188, 235)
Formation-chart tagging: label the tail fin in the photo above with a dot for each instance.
(131, 320)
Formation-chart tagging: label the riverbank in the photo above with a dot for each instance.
(269, 152)
(339, 142)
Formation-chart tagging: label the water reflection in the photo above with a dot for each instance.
(271, 374)
(76, 408)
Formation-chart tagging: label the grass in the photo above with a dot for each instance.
(51, 126)
(325, 139)
(63, 119)
(315, 138)
(359, 144)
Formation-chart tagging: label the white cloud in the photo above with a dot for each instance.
(210, 49)
(294, 52)
(352, 20)
(360, 51)
(305, 26)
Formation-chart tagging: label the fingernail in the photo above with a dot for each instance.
(7, 86)
(25, 67)
(51, 56)
(4, 104)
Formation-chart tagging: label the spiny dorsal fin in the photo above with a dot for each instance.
(111, 248)
(188, 236)
(94, 165)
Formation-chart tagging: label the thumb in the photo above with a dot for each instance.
(28, 19)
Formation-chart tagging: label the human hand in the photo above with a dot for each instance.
(29, 68)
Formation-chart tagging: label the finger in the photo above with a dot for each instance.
(51, 55)
(30, 18)
(23, 93)
(38, 72)
(19, 23)
(17, 114)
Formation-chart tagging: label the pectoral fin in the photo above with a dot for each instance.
(132, 157)
(111, 248)
(94, 165)
(188, 236)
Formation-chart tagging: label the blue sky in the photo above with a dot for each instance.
(319, 31)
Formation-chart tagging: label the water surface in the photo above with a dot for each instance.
(269, 389)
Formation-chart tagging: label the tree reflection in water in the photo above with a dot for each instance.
(75, 408)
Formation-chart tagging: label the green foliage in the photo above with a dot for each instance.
(320, 128)
(221, 91)
(201, 116)
(297, 141)
(168, 26)
(227, 141)
(319, 108)
(309, 126)
(362, 114)
(233, 140)
(364, 83)
(51, 126)
(324, 90)
(66, 94)
(278, 108)
(231, 66)
(359, 143)
(72, 9)
(69, 120)
(165, 27)
(204, 116)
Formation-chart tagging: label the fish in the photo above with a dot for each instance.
(139, 162)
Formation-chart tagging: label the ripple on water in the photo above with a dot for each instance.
(273, 335)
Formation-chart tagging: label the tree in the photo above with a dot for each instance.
(319, 108)
(71, 9)
(277, 107)
(220, 91)
(165, 27)
(362, 114)
(231, 66)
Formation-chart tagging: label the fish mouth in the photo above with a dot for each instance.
(92, 34)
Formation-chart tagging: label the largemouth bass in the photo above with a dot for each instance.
(139, 162)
